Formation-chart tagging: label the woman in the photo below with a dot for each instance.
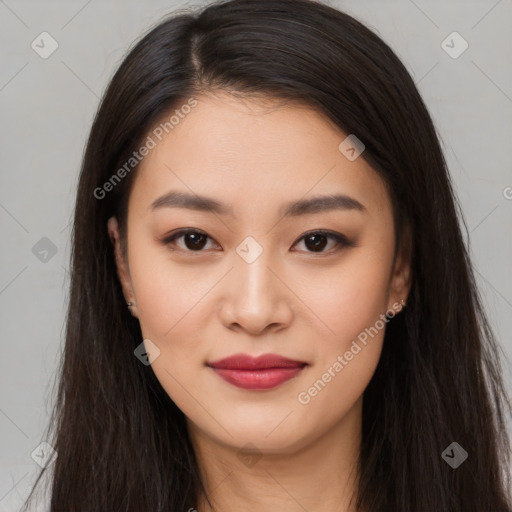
(271, 305)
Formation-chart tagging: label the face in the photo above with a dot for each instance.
(261, 269)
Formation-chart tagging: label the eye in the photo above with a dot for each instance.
(193, 239)
(316, 241)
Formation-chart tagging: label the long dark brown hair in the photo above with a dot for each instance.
(122, 443)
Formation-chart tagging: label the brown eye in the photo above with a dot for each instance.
(317, 241)
(193, 240)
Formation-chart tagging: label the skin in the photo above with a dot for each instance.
(254, 156)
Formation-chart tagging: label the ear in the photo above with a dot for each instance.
(401, 278)
(122, 267)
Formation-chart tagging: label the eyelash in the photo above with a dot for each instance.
(342, 240)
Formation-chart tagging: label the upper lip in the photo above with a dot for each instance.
(247, 362)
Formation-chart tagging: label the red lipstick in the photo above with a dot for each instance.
(264, 372)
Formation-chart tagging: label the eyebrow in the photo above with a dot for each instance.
(316, 204)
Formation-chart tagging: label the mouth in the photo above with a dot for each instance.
(265, 372)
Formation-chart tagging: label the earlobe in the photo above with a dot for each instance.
(401, 280)
(400, 285)
(121, 266)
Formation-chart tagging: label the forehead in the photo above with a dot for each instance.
(253, 152)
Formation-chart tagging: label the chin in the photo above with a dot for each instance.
(266, 435)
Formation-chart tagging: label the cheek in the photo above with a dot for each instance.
(345, 361)
(168, 295)
(334, 389)
(350, 304)
(348, 299)
(171, 309)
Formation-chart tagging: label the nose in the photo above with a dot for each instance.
(257, 299)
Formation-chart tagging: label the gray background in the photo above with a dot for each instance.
(47, 106)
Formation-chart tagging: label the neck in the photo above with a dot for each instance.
(318, 476)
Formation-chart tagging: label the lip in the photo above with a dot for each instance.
(264, 372)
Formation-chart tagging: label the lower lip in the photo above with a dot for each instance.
(258, 379)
